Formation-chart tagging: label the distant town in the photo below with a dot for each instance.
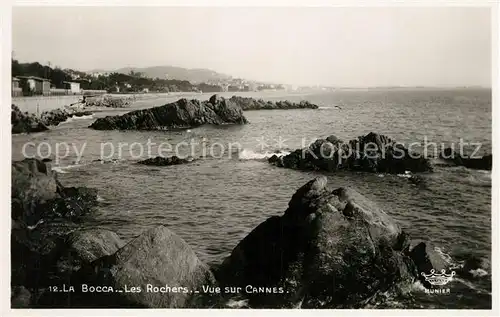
(35, 79)
(32, 79)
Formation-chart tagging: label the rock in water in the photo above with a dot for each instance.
(247, 103)
(165, 161)
(371, 153)
(157, 257)
(331, 249)
(108, 101)
(25, 123)
(180, 114)
(481, 163)
(57, 116)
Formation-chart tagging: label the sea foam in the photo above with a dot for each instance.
(246, 154)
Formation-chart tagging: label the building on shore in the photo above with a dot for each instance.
(35, 85)
(17, 91)
(73, 88)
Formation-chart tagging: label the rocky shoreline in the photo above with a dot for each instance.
(291, 258)
(108, 101)
(30, 123)
(24, 122)
(247, 103)
(180, 114)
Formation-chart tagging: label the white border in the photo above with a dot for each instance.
(5, 137)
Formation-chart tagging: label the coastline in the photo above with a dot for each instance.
(47, 103)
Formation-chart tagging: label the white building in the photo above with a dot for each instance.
(74, 88)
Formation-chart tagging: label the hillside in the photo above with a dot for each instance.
(179, 73)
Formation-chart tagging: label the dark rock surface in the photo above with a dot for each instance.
(330, 249)
(166, 161)
(157, 257)
(180, 114)
(371, 153)
(36, 194)
(427, 259)
(25, 123)
(86, 246)
(483, 163)
(20, 297)
(108, 101)
(247, 103)
(42, 213)
(29, 123)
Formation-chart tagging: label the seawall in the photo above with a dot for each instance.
(43, 103)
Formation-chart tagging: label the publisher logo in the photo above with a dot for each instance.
(437, 280)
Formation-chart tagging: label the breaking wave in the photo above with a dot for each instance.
(75, 118)
(246, 154)
(64, 169)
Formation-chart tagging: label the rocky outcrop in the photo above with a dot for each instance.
(371, 153)
(180, 114)
(330, 249)
(166, 161)
(108, 101)
(51, 255)
(158, 269)
(25, 122)
(36, 194)
(57, 116)
(29, 123)
(42, 215)
(247, 103)
(481, 163)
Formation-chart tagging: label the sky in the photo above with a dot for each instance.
(356, 47)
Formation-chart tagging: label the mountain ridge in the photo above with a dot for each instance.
(195, 75)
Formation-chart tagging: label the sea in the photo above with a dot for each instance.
(216, 200)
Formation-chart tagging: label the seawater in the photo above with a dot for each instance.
(216, 201)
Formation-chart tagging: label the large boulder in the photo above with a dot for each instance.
(43, 258)
(25, 122)
(247, 103)
(162, 269)
(451, 156)
(371, 153)
(330, 249)
(183, 113)
(82, 247)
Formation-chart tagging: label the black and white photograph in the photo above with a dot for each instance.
(251, 157)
